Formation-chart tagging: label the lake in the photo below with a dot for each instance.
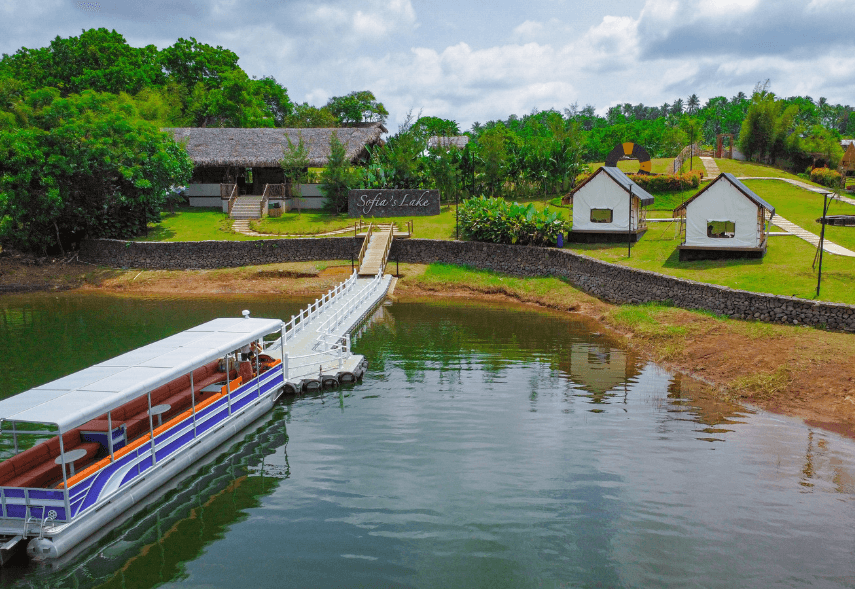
(488, 446)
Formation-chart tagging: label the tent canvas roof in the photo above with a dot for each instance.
(263, 148)
(623, 181)
(738, 185)
(75, 399)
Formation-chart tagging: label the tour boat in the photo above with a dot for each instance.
(85, 449)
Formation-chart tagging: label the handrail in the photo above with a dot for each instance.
(340, 315)
(365, 245)
(270, 190)
(389, 239)
(233, 197)
(320, 306)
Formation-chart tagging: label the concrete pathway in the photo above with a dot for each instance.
(711, 167)
(809, 237)
(242, 226)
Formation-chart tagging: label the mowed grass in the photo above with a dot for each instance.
(193, 224)
(738, 168)
(440, 226)
(787, 268)
(804, 207)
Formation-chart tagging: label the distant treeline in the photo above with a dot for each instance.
(82, 154)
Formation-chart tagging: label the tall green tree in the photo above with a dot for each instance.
(88, 166)
(337, 177)
(357, 107)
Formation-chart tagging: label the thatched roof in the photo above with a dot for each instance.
(262, 148)
(458, 141)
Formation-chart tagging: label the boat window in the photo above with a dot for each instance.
(601, 215)
(721, 229)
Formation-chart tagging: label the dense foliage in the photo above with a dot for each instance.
(826, 177)
(85, 165)
(498, 221)
(82, 154)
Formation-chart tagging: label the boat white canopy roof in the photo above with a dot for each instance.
(77, 398)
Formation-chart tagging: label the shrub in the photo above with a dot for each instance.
(826, 177)
(497, 221)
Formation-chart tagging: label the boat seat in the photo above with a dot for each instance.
(35, 467)
(134, 414)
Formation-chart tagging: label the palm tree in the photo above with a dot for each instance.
(692, 104)
(677, 107)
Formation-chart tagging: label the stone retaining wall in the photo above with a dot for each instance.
(188, 255)
(609, 282)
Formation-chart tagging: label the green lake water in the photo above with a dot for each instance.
(486, 447)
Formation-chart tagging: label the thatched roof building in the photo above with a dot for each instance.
(263, 148)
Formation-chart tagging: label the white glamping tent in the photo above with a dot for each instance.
(724, 220)
(608, 206)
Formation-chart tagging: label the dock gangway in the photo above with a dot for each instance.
(315, 348)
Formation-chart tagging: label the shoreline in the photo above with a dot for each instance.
(801, 372)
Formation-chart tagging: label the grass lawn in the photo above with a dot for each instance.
(291, 223)
(738, 168)
(786, 269)
(804, 207)
(192, 224)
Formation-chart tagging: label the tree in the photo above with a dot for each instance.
(295, 165)
(436, 127)
(275, 98)
(692, 104)
(98, 60)
(88, 166)
(306, 116)
(337, 177)
(357, 107)
(692, 127)
(767, 125)
(189, 62)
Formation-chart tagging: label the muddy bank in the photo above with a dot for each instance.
(798, 371)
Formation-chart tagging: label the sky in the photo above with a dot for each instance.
(480, 60)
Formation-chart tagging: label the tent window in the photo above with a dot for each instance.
(601, 215)
(721, 229)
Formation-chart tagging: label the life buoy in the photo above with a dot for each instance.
(633, 150)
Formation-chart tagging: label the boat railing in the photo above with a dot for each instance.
(340, 315)
(93, 485)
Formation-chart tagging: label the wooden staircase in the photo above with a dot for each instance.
(375, 251)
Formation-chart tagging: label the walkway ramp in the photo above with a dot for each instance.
(315, 350)
(375, 251)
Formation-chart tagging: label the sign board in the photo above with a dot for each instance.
(393, 203)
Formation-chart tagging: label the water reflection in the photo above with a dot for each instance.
(491, 447)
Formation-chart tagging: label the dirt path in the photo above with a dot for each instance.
(798, 371)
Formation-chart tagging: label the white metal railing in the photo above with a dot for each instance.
(331, 356)
(300, 321)
(338, 317)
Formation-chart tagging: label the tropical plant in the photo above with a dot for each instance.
(497, 221)
(337, 178)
